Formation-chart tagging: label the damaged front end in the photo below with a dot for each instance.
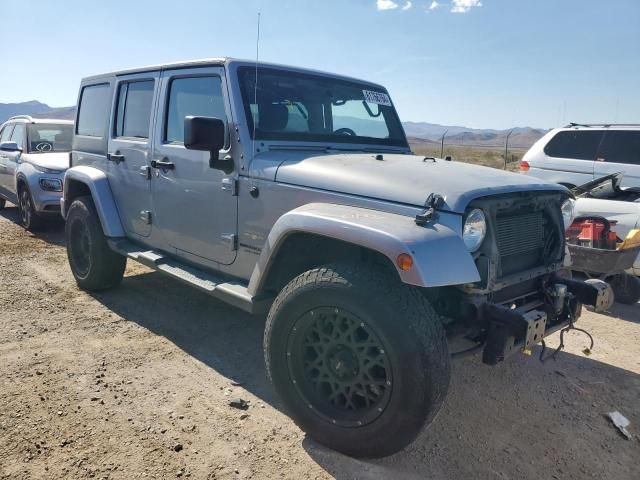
(520, 298)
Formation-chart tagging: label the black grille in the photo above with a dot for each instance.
(520, 241)
(519, 233)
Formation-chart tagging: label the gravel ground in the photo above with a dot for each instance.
(136, 382)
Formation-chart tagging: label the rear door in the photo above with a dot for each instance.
(572, 154)
(620, 152)
(129, 152)
(195, 205)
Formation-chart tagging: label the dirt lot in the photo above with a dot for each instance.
(135, 383)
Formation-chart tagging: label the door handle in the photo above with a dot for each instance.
(163, 164)
(115, 157)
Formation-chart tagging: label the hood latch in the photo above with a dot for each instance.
(434, 201)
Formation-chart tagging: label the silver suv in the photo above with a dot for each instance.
(34, 154)
(294, 193)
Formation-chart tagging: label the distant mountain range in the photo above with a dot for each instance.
(422, 132)
(35, 109)
(418, 132)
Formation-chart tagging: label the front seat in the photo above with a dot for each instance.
(273, 117)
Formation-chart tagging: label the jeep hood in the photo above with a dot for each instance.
(54, 160)
(407, 179)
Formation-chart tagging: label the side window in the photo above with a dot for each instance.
(94, 110)
(135, 100)
(19, 134)
(575, 144)
(197, 96)
(5, 134)
(621, 147)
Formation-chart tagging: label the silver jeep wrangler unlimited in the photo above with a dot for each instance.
(295, 192)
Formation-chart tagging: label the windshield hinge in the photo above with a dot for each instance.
(434, 201)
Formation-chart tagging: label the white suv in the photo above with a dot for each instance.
(577, 154)
(34, 154)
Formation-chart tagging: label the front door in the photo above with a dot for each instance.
(130, 150)
(5, 136)
(194, 205)
(19, 136)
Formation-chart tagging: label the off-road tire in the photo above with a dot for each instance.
(29, 218)
(626, 288)
(398, 316)
(93, 264)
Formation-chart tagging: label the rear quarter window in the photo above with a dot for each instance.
(575, 144)
(620, 147)
(93, 113)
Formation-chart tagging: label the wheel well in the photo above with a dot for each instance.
(75, 189)
(300, 252)
(20, 184)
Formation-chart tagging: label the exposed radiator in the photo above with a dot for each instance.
(520, 241)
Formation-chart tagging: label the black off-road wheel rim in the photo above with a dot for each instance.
(25, 207)
(339, 366)
(80, 247)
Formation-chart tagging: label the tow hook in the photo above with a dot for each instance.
(592, 292)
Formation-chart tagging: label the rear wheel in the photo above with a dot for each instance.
(28, 215)
(359, 359)
(93, 264)
(626, 288)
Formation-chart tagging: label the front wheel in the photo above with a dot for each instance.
(93, 264)
(359, 359)
(28, 215)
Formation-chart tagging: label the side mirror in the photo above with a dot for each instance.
(10, 147)
(207, 134)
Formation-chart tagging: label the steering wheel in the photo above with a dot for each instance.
(44, 147)
(345, 131)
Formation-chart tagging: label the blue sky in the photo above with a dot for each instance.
(479, 63)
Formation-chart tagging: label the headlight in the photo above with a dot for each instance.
(51, 184)
(568, 213)
(474, 230)
(47, 170)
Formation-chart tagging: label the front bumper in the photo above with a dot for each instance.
(514, 329)
(45, 202)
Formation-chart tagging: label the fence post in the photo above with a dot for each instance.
(506, 148)
(442, 144)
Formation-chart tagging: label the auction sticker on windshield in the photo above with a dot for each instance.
(376, 98)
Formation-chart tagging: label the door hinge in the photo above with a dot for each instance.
(231, 240)
(230, 185)
(146, 216)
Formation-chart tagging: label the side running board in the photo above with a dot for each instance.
(232, 292)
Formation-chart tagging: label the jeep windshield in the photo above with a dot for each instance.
(50, 137)
(302, 107)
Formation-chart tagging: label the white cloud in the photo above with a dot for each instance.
(407, 6)
(434, 5)
(386, 5)
(463, 6)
